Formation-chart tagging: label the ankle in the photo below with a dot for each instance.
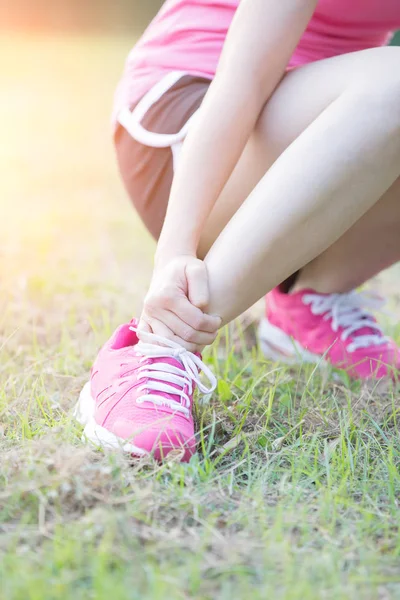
(322, 285)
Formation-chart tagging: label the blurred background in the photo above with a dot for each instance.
(89, 15)
(73, 255)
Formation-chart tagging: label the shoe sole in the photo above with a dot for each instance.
(96, 435)
(276, 345)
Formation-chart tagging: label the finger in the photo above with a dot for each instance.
(197, 282)
(193, 316)
(164, 331)
(186, 332)
(143, 325)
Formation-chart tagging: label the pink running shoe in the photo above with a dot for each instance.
(334, 328)
(140, 395)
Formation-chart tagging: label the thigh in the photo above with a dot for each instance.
(298, 100)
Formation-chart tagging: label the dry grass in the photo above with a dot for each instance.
(295, 491)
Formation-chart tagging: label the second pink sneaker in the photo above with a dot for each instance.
(334, 328)
(140, 396)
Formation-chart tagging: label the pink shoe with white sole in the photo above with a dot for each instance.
(140, 396)
(333, 328)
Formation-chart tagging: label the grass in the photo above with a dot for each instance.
(295, 491)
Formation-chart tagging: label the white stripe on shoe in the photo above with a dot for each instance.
(93, 433)
(276, 345)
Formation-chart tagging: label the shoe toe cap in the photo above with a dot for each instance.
(383, 362)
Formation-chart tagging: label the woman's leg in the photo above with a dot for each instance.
(371, 245)
(339, 121)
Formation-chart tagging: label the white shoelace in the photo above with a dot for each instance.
(161, 374)
(349, 311)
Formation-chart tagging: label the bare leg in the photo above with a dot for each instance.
(325, 181)
(370, 246)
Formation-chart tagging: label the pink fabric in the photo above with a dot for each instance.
(188, 35)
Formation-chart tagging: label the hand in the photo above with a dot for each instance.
(174, 305)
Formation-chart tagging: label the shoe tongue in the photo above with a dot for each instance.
(305, 291)
(365, 330)
(174, 362)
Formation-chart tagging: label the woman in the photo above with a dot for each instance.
(290, 173)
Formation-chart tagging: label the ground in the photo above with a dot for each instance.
(295, 491)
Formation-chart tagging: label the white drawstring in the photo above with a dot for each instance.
(132, 120)
(162, 374)
(348, 311)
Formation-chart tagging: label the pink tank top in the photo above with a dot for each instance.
(188, 35)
